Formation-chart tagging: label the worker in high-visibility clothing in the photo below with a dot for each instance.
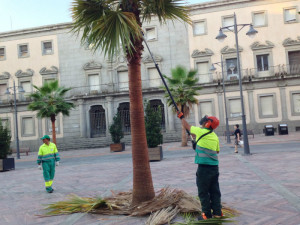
(207, 176)
(49, 158)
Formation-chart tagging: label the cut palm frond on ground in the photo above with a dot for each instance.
(165, 206)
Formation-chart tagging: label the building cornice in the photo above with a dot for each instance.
(48, 28)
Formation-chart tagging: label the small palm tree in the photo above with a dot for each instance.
(49, 101)
(113, 26)
(182, 85)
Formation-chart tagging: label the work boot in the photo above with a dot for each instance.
(218, 216)
(204, 217)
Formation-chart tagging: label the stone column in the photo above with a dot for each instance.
(110, 110)
(221, 107)
(171, 125)
(40, 127)
(82, 114)
(283, 104)
(252, 121)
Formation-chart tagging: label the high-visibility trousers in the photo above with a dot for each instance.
(49, 172)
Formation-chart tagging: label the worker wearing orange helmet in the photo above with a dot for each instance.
(207, 177)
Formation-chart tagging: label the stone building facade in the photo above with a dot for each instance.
(270, 66)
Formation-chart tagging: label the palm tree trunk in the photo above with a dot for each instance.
(53, 129)
(143, 189)
(183, 131)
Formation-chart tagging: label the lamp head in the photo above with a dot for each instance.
(7, 91)
(212, 68)
(221, 36)
(252, 32)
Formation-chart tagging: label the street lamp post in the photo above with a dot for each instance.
(221, 37)
(224, 90)
(16, 115)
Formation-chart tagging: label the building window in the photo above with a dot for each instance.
(294, 62)
(154, 78)
(124, 111)
(23, 51)
(151, 34)
(47, 47)
(203, 71)
(49, 125)
(206, 108)
(48, 80)
(26, 85)
(235, 108)
(97, 121)
(5, 123)
(296, 102)
(290, 15)
(2, 53)
(199, 27)
(259, 19)
(267, 105)
(231, 65)
(123, 80)
(262, 62)
(27, 126)
(156, 104)
(228, 21)
(94, 83)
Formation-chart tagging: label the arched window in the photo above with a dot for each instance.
(98, 121)
(155, 104)
(125, 116)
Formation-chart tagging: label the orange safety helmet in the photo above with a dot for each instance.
(211, 122)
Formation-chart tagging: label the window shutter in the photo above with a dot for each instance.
(150, 33)
(1, 51)
(26, 86)
(296, 101)
(228, 21)
(50, 125)
(199, 28)
(203, 72)
(3, 88)
(28, 126)
(259, 19)
(154, 77)
(123, 80)
(94, 82)
(267, 105)
(290, 15)
(206, 109)
(235, 107)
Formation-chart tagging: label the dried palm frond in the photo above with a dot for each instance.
(163, 216)
(76, 204)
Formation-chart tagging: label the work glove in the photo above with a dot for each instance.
(40, 167)
(57, 163)
(180, 115)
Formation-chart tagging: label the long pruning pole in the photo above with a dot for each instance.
(163, 80)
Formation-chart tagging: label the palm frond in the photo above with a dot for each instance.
(165, 10)
(105, 26)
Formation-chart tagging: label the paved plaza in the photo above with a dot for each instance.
(263, 187)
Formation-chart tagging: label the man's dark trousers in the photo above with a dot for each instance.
(208, 189)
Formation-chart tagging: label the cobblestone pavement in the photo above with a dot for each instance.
(264, 187)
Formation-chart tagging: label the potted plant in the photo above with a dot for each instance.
(5, 139)
(117, 134)
(153, 132)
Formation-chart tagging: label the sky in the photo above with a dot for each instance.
(21, 14)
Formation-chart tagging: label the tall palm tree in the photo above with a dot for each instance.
(49, 101)
(113, 26)
(182, 85)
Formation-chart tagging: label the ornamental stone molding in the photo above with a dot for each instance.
(27, 73)
(227, 50)
(92, 66)
(197, 54)
(52, 70)
(4, 76)
(290, 42)
(258, 46)
(148, 59)
(122, 68)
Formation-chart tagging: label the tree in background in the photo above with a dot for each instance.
(49, 101)
(182, 85)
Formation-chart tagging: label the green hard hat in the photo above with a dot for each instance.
(45, 137)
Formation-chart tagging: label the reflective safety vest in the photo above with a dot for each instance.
(207, 147)
(48, 153)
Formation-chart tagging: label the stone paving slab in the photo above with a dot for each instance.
(260, 186)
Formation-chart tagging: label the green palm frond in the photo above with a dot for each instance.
(165, 10)
(105, 25)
